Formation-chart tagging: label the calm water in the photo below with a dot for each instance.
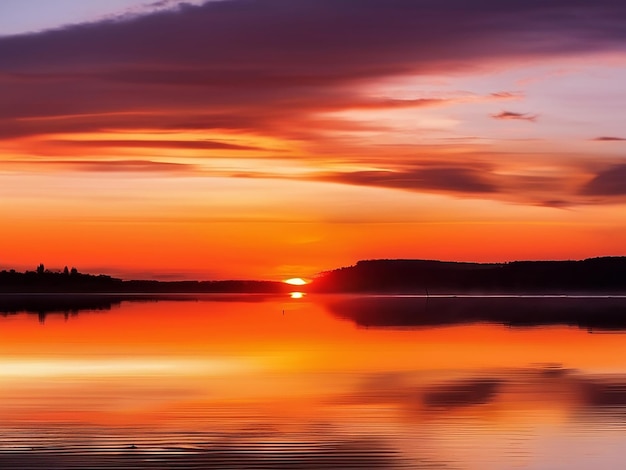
(319, 382)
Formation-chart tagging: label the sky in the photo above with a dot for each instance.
(277, 138)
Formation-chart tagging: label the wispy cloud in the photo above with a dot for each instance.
(156, 143)
(608, 182)
(243, 57)
(510, 115)
(450, 179)
(608, 139)
(507, 95)
(112, 166)
(276, 68)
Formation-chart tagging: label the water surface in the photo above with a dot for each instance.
(318, 382)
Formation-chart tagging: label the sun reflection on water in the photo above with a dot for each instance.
(361, 382)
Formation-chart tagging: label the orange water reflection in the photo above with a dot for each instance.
(187, 371)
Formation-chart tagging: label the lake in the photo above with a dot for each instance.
(318, 382)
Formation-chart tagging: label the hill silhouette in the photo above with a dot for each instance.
(45, 281)
(594, 275)
(397, 276)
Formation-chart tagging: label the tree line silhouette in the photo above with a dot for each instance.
(594, 275)
(43, 280)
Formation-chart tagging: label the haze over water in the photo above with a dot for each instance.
(274, 382)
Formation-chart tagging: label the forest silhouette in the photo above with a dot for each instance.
(409, 293)
(594, 275)
(43, 280)
(400, 276)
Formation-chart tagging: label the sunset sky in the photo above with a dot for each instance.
(279, 138)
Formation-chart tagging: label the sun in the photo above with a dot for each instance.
(296, 281)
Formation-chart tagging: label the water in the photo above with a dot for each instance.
(321, 382)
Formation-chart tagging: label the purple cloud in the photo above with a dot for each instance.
(609, 182)
(183, 144)
(608, 139)
(119, 166)
(448, 179)
(509, 115)
(242, 57)
(507, 95)
(272, 67)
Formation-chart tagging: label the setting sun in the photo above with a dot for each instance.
(296, 281)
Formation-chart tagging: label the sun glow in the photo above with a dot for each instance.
(296, 281)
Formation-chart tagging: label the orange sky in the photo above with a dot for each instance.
(292, 149)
